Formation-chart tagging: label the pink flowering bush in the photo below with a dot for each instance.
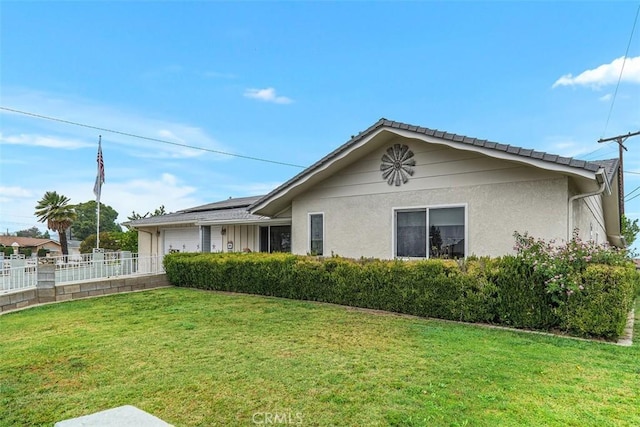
(561, 266)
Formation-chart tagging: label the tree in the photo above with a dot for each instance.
(134, 215)
(112, 240)
(107, 241)
(629, 229)
(85, 224)
(33, 232)
(54, 209)
(128, 240)
(130, 237)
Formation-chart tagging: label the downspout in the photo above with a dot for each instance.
(601, 178)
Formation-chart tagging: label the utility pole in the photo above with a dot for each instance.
(620, 139)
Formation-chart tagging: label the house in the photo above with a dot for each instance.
(402, 191)
(225, 226)
(32, 244)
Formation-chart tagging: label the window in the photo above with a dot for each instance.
(205, 238)
(316, 234)
(275, 238)
(411, 234)
(438, 232)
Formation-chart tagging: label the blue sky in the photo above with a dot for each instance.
(290, 82)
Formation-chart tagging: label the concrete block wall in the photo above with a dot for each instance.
(66, 292)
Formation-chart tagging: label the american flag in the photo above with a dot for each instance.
(97, 188)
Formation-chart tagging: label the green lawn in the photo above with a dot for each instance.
(196, 358)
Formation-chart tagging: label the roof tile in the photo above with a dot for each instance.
(517, 151)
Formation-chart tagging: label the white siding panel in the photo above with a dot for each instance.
(216, 239)
(242, 238)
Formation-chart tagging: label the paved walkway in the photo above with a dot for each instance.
(122, 416)
(627, 336)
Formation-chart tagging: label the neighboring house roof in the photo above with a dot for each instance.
(495, 149)
(230, 210)
(23, 242)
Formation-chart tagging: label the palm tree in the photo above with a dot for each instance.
(54, 209)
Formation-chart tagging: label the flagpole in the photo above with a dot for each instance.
(97, 189)
(98, 224)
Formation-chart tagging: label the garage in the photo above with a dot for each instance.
(181, 240)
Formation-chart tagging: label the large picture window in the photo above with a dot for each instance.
(316, 234)
(430, 232)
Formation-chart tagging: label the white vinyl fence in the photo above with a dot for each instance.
(20, 273)
(17, 273)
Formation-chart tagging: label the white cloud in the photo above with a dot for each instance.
(605, 74)
(87, 112)
(139, 195)
(14, 192)
(43, 141)
(605, 98)
(143, 195)
(267, 95)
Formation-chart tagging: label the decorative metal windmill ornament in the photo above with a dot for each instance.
(397, 165)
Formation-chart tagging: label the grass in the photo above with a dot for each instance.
(196, 358)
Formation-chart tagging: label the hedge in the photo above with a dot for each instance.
(601, 309)
(500, 291)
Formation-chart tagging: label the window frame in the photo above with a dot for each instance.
(309, 232)
(426, 209)
(268, 237)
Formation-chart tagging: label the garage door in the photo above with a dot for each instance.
(181, 240)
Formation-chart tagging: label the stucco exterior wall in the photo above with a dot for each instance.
(363, 225)
(500, 197)
(589, 220)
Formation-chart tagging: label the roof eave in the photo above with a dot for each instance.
(264, 205)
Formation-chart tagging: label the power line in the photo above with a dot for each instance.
(632, 198)
(55, 119)
(634, 190)
(595, 151)
(626, 54)
(620, 139)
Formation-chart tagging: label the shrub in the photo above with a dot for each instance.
(602, 306)
(431, 288)
(522, 301)
(523, 291)
(26, 252)
(560, 267)
(6, 250)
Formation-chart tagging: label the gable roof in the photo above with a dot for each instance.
(23, 242)
(493, 149)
